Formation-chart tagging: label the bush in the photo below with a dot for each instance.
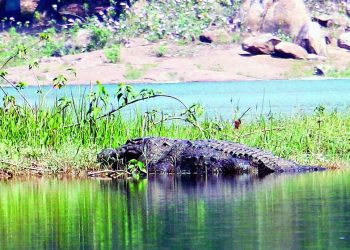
(161, 51)
(113, 53)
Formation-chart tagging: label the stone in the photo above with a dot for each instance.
(314, 57)
(322, 70)
(324, 20)
(273, 16)
(344, 41)
(261, 44)
(72, 9)
(218, 36)
(312, 38)
(290, 50)
(83, 38)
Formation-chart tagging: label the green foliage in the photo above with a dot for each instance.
(236, 37)
(100, 37)
(112, 53)
(136, 168)
(161, 51)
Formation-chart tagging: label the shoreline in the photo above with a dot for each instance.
(310, 79)
(182, 63)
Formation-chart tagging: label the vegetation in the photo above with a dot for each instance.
(113, 53)
(68, 135)
(334, 73)
(161, 51)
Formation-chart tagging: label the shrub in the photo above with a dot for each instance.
(113, 53)
(161, 51)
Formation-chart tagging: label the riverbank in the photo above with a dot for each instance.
(65, 139)
(140, 62)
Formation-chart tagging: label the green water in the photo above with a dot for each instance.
(165, 212)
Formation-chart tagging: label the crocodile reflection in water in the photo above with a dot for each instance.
(164, 155)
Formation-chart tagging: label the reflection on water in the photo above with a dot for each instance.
(277, 212)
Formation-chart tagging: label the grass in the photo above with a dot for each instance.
(67, 136)
(161, 51)
(299, 69)
(134, 73)
(343, 73)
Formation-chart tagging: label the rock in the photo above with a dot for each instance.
(272, 16)
(322, 70)
(290, 50)
(344, 41)
(324, 20)
(252, 13)
(314, 57)
(261, 44)
(312, 38)
(72, 9)
(215, 36)
(83, 38)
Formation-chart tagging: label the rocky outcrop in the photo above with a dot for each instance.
(261, 44)
(163, 155)
(312, 38)
(344, 41)
(272, 16)
(290, 50)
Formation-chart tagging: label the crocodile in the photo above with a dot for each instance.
(164, 155)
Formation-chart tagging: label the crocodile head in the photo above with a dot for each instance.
(132, 149)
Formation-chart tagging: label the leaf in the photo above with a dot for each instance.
(59, 81)
(21, 85)
(34, 64)
(44, 36)
(3, 73)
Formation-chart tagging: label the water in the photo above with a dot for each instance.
(306, 211)
(223, 99)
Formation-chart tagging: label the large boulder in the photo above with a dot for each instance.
(312, 38)
(344, 41)
(272, 16)
(261, 44)
(290, 50)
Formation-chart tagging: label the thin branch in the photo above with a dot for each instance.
(16, 54)
(20, 92)
(107, 171)
(240, 118)
(132, 102)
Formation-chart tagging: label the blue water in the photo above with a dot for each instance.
(226, 99)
